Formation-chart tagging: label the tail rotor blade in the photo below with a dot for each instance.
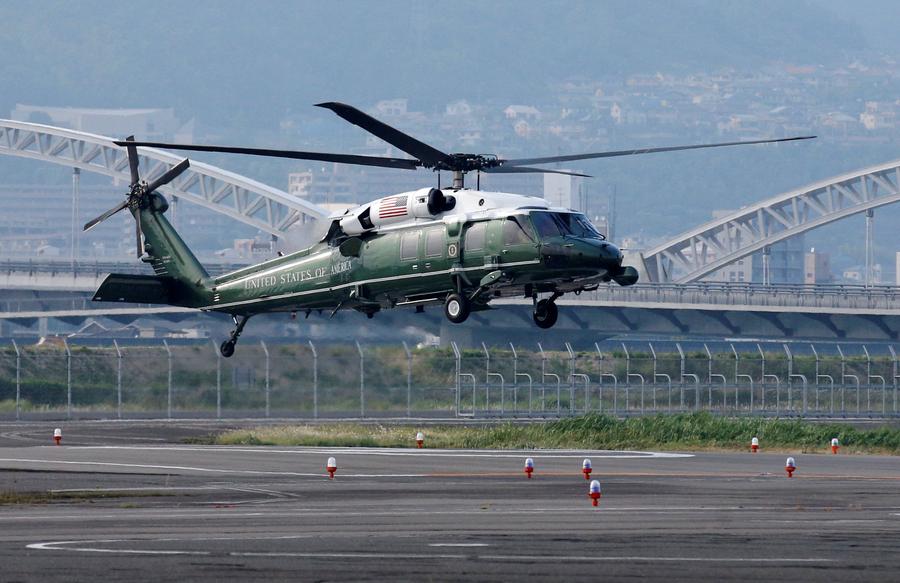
(132, 161)
(170, 175)
(94, 222)
(138, 233)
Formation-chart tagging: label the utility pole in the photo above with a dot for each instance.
(870, 248)
(76, 184)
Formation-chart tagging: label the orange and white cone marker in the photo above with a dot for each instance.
(331, 467)
(754, 445)
(835, 445)
(586, 469)
(529, 467)
(594, 493)
(57, 435)
(790, 466)
(420, 440)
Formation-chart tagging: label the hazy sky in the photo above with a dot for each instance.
(237, 62)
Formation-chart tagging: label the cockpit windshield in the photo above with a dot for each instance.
(550, 224)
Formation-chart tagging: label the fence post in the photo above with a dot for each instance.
(458, 358)
(658, 374)
(816, 355)
(640, 377)
(544, 375)
(516, 379)
(487, 378)
(844, 377)
(118, 379)
(764, 376)
(688, 375)
(869, 377)
(894, 373)
(266, 353)
(790, 383)
(169, 390)
(315, 354)
(362, 380)
(409, 364)
(19, 378)
(823, 376)
(602, 376)
(571, 378)
(791, 376)
(218, 380)
(737, 377)
(68, 379)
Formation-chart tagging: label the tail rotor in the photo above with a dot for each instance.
(138, 196)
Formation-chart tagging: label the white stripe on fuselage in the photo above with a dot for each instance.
(364, 282)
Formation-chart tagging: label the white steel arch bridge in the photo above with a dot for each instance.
(707, 248)
(248, 201)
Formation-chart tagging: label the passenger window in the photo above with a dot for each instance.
(434, 243)
(514, 233)
(475, 237)
(409, 245)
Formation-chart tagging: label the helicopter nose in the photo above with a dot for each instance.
(609, 253)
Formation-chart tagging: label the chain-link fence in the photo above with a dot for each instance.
(190, 379)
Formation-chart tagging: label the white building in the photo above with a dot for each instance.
(561, 190)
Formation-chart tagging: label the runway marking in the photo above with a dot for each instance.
(63, 546)
(209, 470)
(636, 558)
(384, 451)
(458, 545)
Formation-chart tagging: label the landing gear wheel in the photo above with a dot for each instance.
(545, 314)
(456, 308)
(227, 348)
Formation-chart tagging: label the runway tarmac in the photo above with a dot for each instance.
(205, 513)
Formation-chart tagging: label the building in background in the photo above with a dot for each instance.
(817, 267)
(897, 267)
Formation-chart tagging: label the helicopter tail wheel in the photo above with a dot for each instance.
(456, 308)
(545, 314)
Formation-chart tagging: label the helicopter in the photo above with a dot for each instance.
(458, 247)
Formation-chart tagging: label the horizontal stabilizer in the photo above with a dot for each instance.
(135, 289)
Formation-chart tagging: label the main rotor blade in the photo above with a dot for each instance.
(132, 160)
(523, 169)
(401, 163)
(94, 222)
(428, 155)
(170, 175)
(549, 159)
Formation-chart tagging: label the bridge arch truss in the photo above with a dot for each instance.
(711, 246)
(245, 200)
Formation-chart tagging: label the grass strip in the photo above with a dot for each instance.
(671, 432)
(49, 496)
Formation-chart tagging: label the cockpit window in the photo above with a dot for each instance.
(545, 225)
(579, 226)
(572, 224)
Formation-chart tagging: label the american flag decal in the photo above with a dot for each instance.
(394, 206)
